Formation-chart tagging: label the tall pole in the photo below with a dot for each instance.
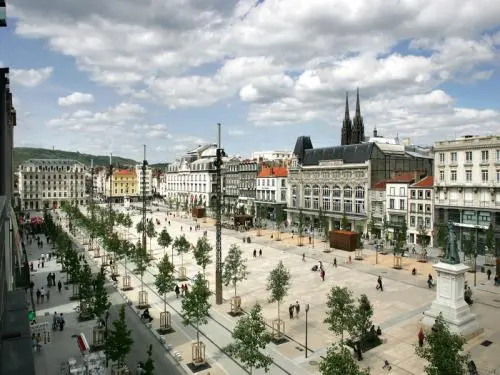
(110, 202)
(144, 167)
(92, 201)
(218, 220)
(4, 134)
(307, 311)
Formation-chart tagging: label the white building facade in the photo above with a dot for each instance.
(146, 183)
(271, 190)
(48, 183)
(421, 210)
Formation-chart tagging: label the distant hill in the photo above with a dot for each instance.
(159, 166)
(21, 154)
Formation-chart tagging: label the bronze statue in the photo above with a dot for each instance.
(451, 256)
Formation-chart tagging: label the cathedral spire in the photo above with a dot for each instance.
(346, 124)
(358, 109)
(358, 129)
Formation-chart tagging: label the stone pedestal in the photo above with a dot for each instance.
(450, 301)
(358, 254)
(397, 264)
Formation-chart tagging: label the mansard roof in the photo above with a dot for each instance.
(356, 153)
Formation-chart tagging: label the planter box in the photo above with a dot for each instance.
(343, 240)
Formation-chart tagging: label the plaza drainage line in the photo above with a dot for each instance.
(212, 318)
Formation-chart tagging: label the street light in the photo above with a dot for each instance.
(307, 311)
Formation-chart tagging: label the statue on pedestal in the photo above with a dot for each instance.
(451, 256)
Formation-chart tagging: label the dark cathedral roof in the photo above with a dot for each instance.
(303, 143)
(356, 153)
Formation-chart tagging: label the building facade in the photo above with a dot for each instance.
(421, 211)
(467, 186)
(231, 184)
(248, 170)
(271, 189)
(337, 179)
(48, 183)
(144, 185)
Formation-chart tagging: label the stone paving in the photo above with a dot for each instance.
(397, 310)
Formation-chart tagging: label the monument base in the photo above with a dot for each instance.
(450, 301)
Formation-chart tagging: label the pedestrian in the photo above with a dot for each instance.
(38, 294)
(260, 252)
(53, 278)
(303, 257)
(430, 281)
(297, 309)
(49, 280)
(42, 293)
(379, 284)
(59, 286)
(322, 275)
(55, 319)
(254, 253)
(421, 338)
(488, 273)
(61, 322)
(290, 311)
(177, 291)
(335, 262)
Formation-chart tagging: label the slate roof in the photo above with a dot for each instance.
(357, 153)
(426, 182)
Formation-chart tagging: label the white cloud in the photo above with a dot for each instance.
(290, 61)
(236, 132)
(30, 77)
(75, 98)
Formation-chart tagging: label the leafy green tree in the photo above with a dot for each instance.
(359, 331)
(235, 268)
(139, 227)
(151, 233)
(489, 244)
(195, 305)
(424, 238)
(177, 204)
(101, 301)
(278, 283)
(250, 337)
(344, 222)
(469, 248)
(182, 245)
(300, 227)
(202, 252)
(280, 221)
(443, 350)
(127, 223)
(141, 260)
(371, 225)
(185, 205)
(119, 340)
(85, 290)
(164, 240)
(340, 313)
(252, 210)
(323, 224)
(339, 361)
(165, 279)
(72, 263)
(149, 365)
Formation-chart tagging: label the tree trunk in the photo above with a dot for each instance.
(279, 310)
(165, 302)
(172, 256)
(142, 283)
(235, 289)
(198, 334)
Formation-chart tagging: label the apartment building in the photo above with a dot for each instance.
(377, 207)
(248, 170)
(420, 218)
(231, 183)
(45, 183)
(271, 189)
(144, 185)
(467, 186)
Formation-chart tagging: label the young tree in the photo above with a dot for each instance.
(443, 350)
(339, 361)
(361, 324)
(344, 222)
(101, 303)
(182, 246)
(469, 248)
(139, 227)
(165, 279)
(202, 252)
(72, 264)
(119, 340)
(278, 283)
(424, 238)
(280, 221)
(371, 225)
(235, 268)
(141, 260)
(250, 337)
(164, 240)
(323, 224)
(151, 233)
(340, 311)
(252, 210)
(85, 291)
(149, 365)
(195, 305)
(300, 227)
(489, 246)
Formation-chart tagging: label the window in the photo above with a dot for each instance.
(391, 204)
(326, 198)
(316, 190)
(360, 192)
(412, 221)
(453, 157)
(337, 206)
(484, 156)
(402, 192)
(316, 203)
(468, 175)
(441, 157)
(307, 202)
(427, 222)
(498, 175)
(392, 191)
(307, 190)
(412, 194)
(427, 208)
(360, 206)
(453, 175)
(498, 155)
(294, 196)
(441, 175)
(347, 192)
(484, 218)
(420, 194)
(420, 207)
(336, 192)
(484, 175)
(412, 207)
(468, 156)
(401, 204)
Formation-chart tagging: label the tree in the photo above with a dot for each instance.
(469, 248)
(165, 279)
(280, 221)
(252, 210)
(323, 224)
(139, 227)
(195, 305)
(278, 283)
(150, 232)
(71, 263)
(340, 311)
(85, 290)
(141, 260)
(235, 268)
(250, 336)
(202, 252)
(182, 246)
(149, 365)
(344, 222)
(300, 226)
(359, 330)
(441, 235)
(101, 303)
(443, 350)
(489, 245)
(164, 240)
(359, 241)
(424, 238)
(339, 361)
(119, 340)
(371, 225)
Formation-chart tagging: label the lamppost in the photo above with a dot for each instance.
(218, 220)
(307, 311)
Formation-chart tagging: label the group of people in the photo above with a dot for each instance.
(58, 322)
(255, 253)
(146, 316)
(319, 268)
(182, 290)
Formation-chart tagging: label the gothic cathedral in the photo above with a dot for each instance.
(353, 132)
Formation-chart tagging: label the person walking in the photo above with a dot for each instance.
(255, 253)
(335, 262)
(380, 286)
(421, 337)
(488, 273)
(38, 294)
(177, 291)
(49, 280)
(290, 311)
(59, 286)
(61, 322)
(322, 274)
(297, 309)
(303, 257)
(54, 278)
(260, 252)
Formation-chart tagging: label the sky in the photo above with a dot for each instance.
(109, 76)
